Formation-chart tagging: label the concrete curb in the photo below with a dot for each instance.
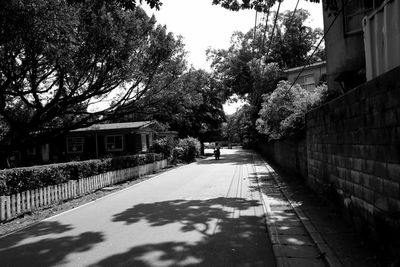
(328, 255)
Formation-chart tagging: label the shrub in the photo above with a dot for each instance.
(177, 154)
(21, 179)
(283, 111)
(190, 149)
(164, 146)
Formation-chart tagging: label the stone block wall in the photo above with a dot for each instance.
(353, 147)
(290, 154)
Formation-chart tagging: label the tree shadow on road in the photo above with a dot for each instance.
(28, 247)
(40, 229)
(225, 239)
(235, 159)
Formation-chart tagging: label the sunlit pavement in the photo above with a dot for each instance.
(208, 213)
(236, 211)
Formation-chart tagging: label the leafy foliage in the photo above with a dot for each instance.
(163, 146)
(68, 65)
(239, 125)
(192, 106)
(263, 6)
(293, 40)
(254, 63)
(22, 179)
(283, 111)
(243, 67)
(187, 149)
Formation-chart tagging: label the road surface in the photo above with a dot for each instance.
(207, 213)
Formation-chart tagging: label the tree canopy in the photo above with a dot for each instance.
(255, 60)
(283, 111)
(243, 67)
(60, 62)
(264, 6)
(192, 105)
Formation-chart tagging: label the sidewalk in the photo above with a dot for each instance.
(303, 230)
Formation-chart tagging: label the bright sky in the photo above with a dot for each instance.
(204, 25)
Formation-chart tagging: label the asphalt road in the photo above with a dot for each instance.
(207, 213)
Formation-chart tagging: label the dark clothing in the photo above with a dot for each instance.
(217, 153)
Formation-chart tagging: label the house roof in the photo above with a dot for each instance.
(114, 126)
(311, 66)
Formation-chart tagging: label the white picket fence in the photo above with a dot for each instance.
(17, 204)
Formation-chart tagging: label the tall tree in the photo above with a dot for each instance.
(263, 6)
(60, 62)
(242, 67)
(192, 106)
(240, 127)
(293, 40)
(253, 64)
(195, 108)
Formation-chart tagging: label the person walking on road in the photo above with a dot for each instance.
(217, 151)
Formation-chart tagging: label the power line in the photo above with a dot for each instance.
(294, 11)
(264, 36)
(273, 31)
(265, 31)
(266, 27)
(254, 32)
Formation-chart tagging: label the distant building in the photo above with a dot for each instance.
(109, 139)
(96, 141)
(310, 76)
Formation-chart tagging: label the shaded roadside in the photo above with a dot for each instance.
(329, 229)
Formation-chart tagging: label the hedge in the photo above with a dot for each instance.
(187, 149)
(28, 178)
(164, 146)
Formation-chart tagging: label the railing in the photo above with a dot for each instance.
(382, 39)
(27, 201)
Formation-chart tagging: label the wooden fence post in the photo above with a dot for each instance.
(23, 201)
(48, 195)
(32, 197)
(73, 188)
(8, 207)
(55, 188)
(79, 189)
(13, 205)
(2, 208)
(18, 203)
(37, 199)
(28, 200)
(84, 186)
(64, 191)
(52, 197)
(41, 200)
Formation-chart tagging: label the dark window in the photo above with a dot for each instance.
(114, 143)
(31, 151)
(75, 144)
(354, 12)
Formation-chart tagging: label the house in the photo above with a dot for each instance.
(96, 141)
(346, 67)
(310, 77)
(100, 140)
